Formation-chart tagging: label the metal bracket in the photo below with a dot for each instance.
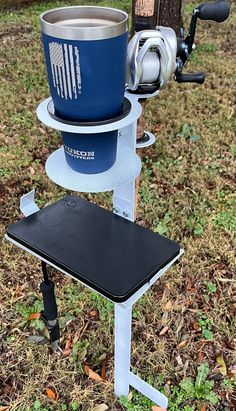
(146, 141)
(27, 204)
(124, 201)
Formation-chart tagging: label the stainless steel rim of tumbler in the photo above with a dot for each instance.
(84, 23)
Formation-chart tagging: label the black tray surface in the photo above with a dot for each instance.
(108, 253)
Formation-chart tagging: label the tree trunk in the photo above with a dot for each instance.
(169, 13)
(162, 12)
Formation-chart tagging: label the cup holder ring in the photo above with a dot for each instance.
(126, 108)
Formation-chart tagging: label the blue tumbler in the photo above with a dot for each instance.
(85, 51)
(90, 154)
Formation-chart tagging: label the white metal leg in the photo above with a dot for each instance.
(123, 319)
(123, 376)
(154, 395)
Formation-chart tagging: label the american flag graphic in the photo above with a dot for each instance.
(65, 67)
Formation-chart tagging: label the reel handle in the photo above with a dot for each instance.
(198, 78)
(217, 11)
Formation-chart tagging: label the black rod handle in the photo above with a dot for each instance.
(198, 78)
(217, 11)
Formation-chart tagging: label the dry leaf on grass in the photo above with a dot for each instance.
(34, 316)
(156, 408)
(101, 407)
(76, 337)
(93, 313)
(103, 372)
(168, 307)
(51, 393)
(4, 408)
(68, 343)
(196, 326)
(222, 366)
(31, 170)
(200, 356)
(92, 374)
(156, 129)
(182, 344)
(164, 330)
(66, 353)
(202, 407)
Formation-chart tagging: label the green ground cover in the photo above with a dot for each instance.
(184, 328)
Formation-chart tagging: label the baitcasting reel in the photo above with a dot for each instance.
(156, 56)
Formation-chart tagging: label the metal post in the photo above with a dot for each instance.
(123, 320)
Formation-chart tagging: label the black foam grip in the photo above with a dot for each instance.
(142, 23)
(198, 78)
(49, 300)
(217, 11)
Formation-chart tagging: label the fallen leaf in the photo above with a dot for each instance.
(68, 343)
(221, 362)
(180, 326)
(156, 128)
(101, 358)
(51, 393)
(179, 361)
(34, 316)
(196, 326)
(103, 372)
(101, 407)
(76, 337)
(168, 307)
(4, 408)
(130, 396)
(42, 130)
(92, 374)
(200, 356)
(202, 407)
(156, 408)
(93, 313)
(66, 353)
(31, 170)
(182, 344)
(164, 330)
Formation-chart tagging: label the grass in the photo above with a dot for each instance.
(187, 193)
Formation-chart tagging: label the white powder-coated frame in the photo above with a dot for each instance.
(121, 180)
(123, 377)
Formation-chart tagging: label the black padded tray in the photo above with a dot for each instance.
(110, 254)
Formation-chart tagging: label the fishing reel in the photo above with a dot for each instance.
(157, 56)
